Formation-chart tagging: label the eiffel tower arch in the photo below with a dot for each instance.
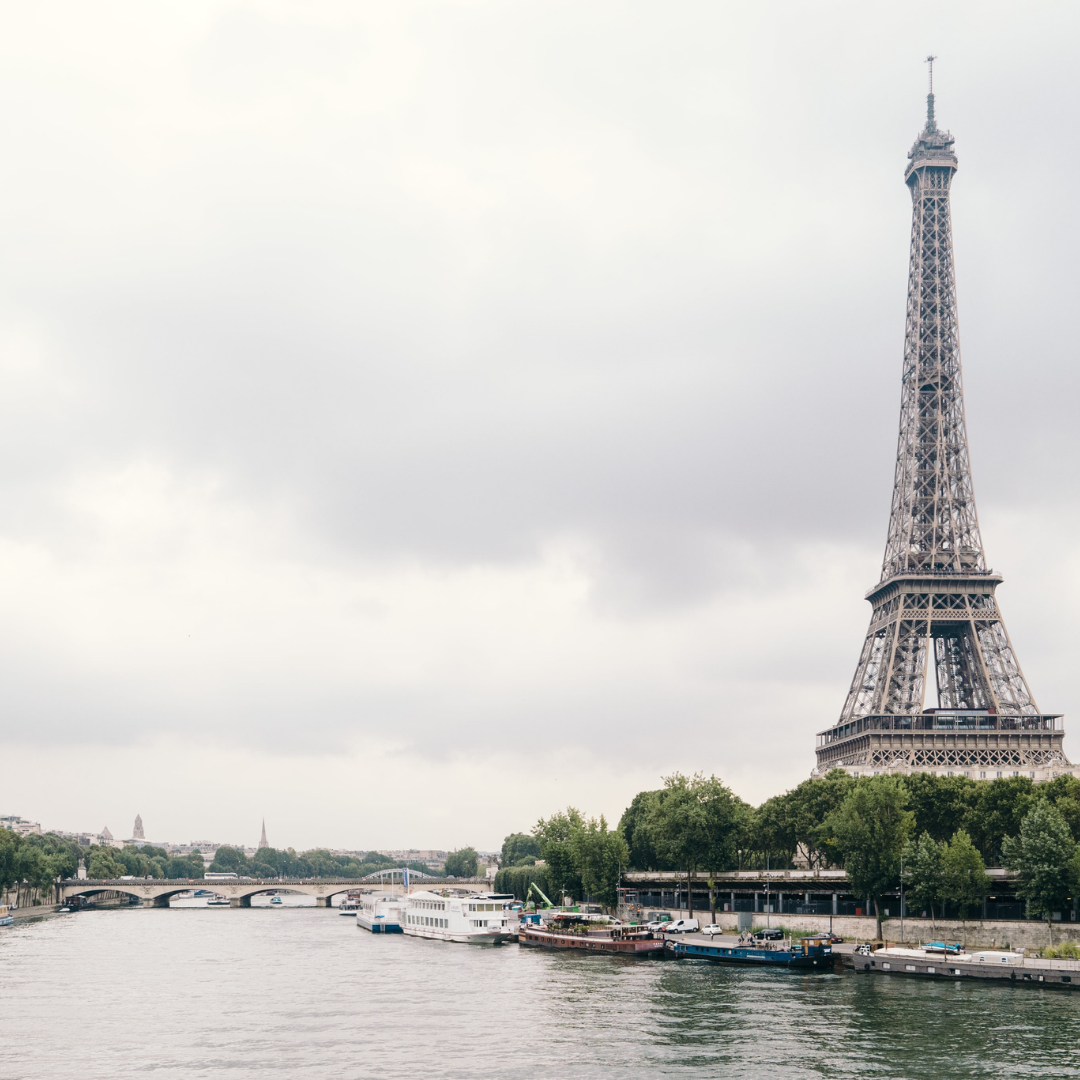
(937, 687)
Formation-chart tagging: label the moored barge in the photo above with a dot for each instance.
(581, 932)
(757, 951)
(934, 963)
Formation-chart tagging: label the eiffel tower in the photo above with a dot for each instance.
(934, 607)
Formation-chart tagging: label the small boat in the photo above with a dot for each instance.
(6, 918)
(275, 899)
(63, 911)
(217, 900)
(349, 906)
(480, 919)
(381, 913)
(591, 933)
(765, 948)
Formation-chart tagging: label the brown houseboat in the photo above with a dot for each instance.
(581, 932)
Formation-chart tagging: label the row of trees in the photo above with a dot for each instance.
(581, 857)
(34, 862)
(936, 834)
(771, 834)
(145, 861)
(872, 833)
(271, 863)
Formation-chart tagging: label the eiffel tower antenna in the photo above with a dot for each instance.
(930, 124)
(936, 594)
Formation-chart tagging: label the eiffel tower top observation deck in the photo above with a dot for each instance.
(934, 607)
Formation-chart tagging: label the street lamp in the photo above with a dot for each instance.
(901, 897)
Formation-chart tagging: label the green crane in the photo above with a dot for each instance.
(539, 892)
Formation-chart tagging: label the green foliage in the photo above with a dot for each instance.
(1067, 950)
(941, 804)
(796, 817)
(102, 862)
(599, 855)
(698, 823)
(518, 849)
(634, 826)
(516, 879)
(923, 874)
(273, 863)
(869, 829)
(462, 863)
(964, 879)
(1064, 793)
(1000, 807)
(1044, 858)
(555, 836)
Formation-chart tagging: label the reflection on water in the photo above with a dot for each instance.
(297, 991)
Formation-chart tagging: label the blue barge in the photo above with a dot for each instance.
(805, 953)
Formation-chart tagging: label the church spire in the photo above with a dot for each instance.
(262, 839)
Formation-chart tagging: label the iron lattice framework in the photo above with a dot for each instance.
(935, 600)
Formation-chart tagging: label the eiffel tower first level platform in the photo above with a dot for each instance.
(937, 687)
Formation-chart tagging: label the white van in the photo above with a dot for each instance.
(681, 926)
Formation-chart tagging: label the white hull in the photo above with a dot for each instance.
(480, 937)
(377, 926)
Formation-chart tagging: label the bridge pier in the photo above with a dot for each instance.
(240, 901)
(157, 901)
(322, 901)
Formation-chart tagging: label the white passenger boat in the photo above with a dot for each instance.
(481, 919)
(381, 913)
(6, 918)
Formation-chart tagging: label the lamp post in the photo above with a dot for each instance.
(768, 897)
(901, 897)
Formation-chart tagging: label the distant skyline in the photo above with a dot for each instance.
(418, 418)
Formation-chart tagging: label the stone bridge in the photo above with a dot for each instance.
(155, 892)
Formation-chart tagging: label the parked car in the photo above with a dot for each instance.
(712, 929)
(658, 924)
(681, 926)
(833, 939)
(769, 935)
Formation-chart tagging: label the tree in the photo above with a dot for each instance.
(229, 860)
(518, 848)
(697, 824)
(1064, 792)
(555, 837)
(869, 829)
(999, 809)
(941, 804)
(599, 857)
(810, 805)
(634, 826)
(462, 863)
(963, 874)
(103, 864)
(923, 877)
(1044, 857)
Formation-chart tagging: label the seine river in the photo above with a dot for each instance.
(301, 992)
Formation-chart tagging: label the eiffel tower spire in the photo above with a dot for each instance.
(935, 602)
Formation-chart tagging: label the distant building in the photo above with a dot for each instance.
(19, 825)
(262, 839)
(137, 832)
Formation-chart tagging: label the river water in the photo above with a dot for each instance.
(301, 992)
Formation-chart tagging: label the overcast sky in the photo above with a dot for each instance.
(417, 417)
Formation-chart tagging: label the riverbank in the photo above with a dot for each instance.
(32, 912)
(1012, 933)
